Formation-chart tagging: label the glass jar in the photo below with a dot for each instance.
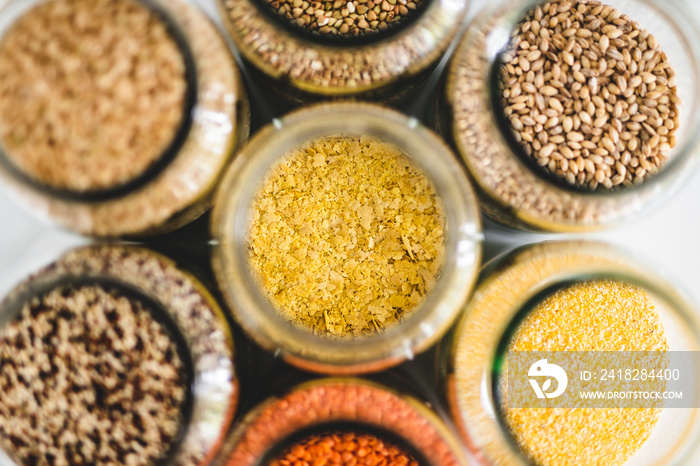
(514, 190)
(305, 66)
(514, 284)
(186, 311)
(176, 187)
(254, 311)
(337, 406)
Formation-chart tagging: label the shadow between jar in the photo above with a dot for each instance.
(481, 422)
(364, 354)
(157, 310)
(15, 10)
(626, 202)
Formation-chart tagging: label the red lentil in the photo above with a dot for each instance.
(344, 448)
(341, 400)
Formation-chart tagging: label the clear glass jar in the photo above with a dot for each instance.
(341, 405)
(512, 191)
(509, 288)
(307, 67)
(252, 309)
(190, 316)
(178, 186)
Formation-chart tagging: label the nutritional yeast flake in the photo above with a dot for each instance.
(346, 236)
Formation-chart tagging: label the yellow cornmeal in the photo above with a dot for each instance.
(347, 236)
(600, 315)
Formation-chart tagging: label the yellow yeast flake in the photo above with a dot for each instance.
(599, 315)
(347, 235)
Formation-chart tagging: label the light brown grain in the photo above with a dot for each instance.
(88, 376)
(88, 102)
(343, 18)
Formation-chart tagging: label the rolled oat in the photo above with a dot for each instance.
(88, 103)
(181, 190)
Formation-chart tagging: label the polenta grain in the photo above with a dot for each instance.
(346, 236)
(600, 315)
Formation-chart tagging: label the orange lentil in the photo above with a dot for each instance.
(343, 400)
(347, 449)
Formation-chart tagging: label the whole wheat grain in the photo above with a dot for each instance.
(512, 192)
(589, 94)
(308, 68)
(345, 18)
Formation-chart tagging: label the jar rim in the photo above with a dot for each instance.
(184, 189)
(210, 401)
(157, 310)
(477, 415)
(447, 15)
(619, 204)
(230, 224)
(328, 40)
(441, 429)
